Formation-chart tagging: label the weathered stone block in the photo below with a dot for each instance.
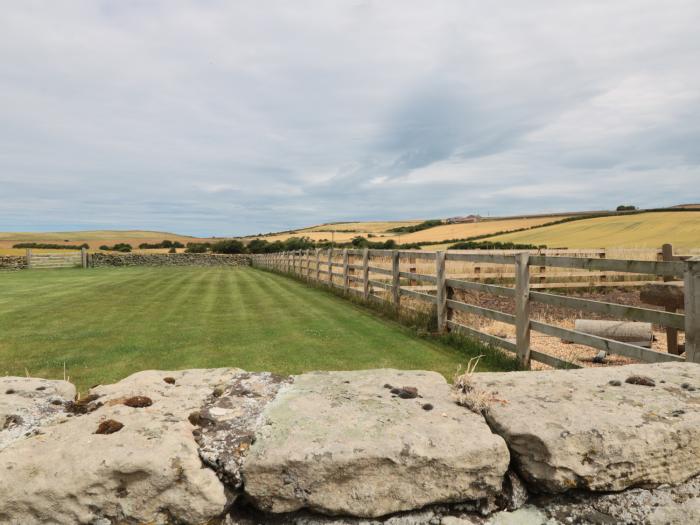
(343, 443)
(600, 429)
(147, 470)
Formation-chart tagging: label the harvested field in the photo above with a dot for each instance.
(364, 227)
(463, 231)
(313, 235)
(642, 230)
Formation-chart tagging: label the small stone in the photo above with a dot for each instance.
(10, 391)
(615, 382)
(387, 385)
(40, 388)
(678, 413)
(640, 380)
(685, 386)
(427, 406)
(138, 402)
(600, 357)
(169, 380)
(110, 426)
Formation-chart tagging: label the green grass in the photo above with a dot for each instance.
(107, 323)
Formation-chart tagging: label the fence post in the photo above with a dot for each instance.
(441, 292)
(395, 279)
(29, 257)
(412, 268)
(522, 309)
(318, 265)
(83, 257)
(692, 310)
(365, 274)
(330, 266)
(346, 280)
(671, 333)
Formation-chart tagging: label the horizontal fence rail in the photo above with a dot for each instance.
(390, 275)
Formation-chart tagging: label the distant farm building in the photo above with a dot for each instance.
(460, 220)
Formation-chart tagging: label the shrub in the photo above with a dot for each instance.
(119, 247)
(51, 246)
(626, 207)
(172, 250)
(417, 227)
(161, 244)
(193, 247)
(493, 245)
(231, 246)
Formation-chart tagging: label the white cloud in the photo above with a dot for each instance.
(232, 117)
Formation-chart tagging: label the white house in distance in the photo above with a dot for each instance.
(468, 218)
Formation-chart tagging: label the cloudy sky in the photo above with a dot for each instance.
(232, 117)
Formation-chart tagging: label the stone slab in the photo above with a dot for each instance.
(591, 429)
(343, 443)
(148, 471)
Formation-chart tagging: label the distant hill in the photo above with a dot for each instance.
(94, 238)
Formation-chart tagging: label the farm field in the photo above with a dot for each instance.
(463, 231)
(109, 322)
(436, 233)
(643, 230)
(365, 227)
(94, 238)
(313, 235)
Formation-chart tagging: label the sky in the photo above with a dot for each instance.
(237, 117)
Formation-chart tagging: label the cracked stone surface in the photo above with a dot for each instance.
(229, 420)
(28, 403)
(591, 429)
(343, 443)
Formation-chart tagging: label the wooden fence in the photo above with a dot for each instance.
(64, 259)
(364, 271)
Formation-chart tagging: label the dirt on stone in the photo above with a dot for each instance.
(138, 402)
(405, 392)
(109, 426)
(640, 380)
(84, 405)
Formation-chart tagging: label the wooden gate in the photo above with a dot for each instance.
(67, 259)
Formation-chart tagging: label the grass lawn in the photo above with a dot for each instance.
(109, 322)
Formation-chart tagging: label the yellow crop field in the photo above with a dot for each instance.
(643, 230)
(94, 238)
(463, 231)
(364, 227)
(313, 235)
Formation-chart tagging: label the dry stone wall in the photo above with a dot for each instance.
(13, 262)
(167, 259)
(229, 447)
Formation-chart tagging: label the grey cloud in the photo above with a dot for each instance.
(220, 118)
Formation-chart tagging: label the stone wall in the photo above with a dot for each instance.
(13, 262)
(167, 259)
(229, 447)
